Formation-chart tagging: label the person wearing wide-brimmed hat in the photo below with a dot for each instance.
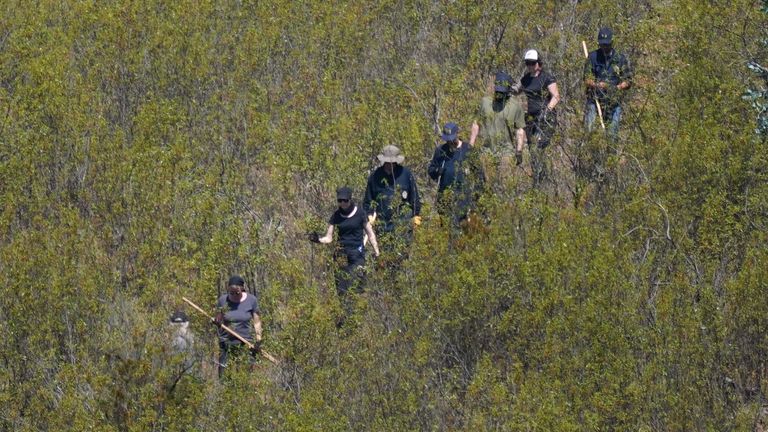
(501, 125)
(392, 197)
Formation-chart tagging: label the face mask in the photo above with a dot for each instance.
(349, 209)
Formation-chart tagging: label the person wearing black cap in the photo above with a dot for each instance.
(503, 123)
(182, 338)
(458, 173)
(607, 77)
(353, 225)
(543, 96)
(238, 310)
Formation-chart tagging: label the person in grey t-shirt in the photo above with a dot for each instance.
(239, 311)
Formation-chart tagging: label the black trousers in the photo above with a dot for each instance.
(350, 275)
(539, 128)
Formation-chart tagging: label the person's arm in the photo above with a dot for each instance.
(328, 237)
(372, 238)
(520, 136)
(474, 131)
(257, 327)
(552, 88)
(626, 74)
(435, 167)
(589, 76)
(414, 195)
(590, 80)
(519, 124)
(370, 196)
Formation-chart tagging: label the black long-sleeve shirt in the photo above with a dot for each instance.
(457, 169)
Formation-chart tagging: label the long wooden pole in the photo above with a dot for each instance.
(263, 353)
(599, 110)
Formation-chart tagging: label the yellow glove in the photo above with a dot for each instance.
(416, 220)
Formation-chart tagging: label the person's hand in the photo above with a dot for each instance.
(372, 218)
(518, 158)
(314, 237)
(219, 319)
(416, 220)
(602, 85)
(256, 349)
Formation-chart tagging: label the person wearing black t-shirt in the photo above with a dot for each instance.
(540, 122)
(352, 223)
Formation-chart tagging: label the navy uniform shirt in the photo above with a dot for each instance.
(459, 170)
(392, 194)
(613, 68)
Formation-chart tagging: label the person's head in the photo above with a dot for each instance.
(235, 287)
(502, 85)
(605, 39)
(450, 133)
(389, 157)
(532, 61)
(179, 317)
(344, 197)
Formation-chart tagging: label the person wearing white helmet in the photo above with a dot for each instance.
(541, 90)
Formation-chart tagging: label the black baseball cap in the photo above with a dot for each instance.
(179, 317)
(344, 193)
(236, 280)
(605, 36)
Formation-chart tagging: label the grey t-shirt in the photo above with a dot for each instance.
(238, 317)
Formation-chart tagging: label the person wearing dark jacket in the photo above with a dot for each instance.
(459, 175)
(607, 77)
(392, 202)
(392, 195)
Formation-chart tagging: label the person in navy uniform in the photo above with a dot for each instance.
(607, 77)
(458, 172)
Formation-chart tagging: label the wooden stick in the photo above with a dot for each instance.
(263, 353)
(599, 110)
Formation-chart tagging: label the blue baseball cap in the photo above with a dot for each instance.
(503, 82)
(450, 132)
(605, 36)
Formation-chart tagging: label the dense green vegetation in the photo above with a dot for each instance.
(149, 149)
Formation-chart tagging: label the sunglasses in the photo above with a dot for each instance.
(341, 200)
(530, 62)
